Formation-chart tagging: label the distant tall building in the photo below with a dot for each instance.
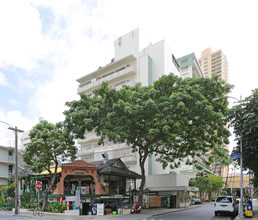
(214, 63)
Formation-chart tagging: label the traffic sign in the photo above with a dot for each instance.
(233, 156)
(38, 185)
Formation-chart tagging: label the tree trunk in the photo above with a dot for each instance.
(48, 189)
(142, 162)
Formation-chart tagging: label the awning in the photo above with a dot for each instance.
(59, 170)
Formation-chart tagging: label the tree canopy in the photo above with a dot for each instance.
(48, 144)
(207, 183)
(172, 119)
(244, 120)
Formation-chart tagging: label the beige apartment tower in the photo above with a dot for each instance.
(214, 63)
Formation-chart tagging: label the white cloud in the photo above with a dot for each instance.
(13, 102)
(21, 41)
(13, 119)
(3, 80)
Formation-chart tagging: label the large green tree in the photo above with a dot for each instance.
(207, 183)
(172, 119)
(216, 183)
(244, 119)
(48, 144)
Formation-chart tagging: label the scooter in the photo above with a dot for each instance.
(135, 208)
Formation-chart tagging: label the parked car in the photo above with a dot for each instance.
(226, 204)
(195, 200)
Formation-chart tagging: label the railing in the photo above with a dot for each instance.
(6, 159)
(114, 76)
(4, 174)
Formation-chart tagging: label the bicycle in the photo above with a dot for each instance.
(38, 211)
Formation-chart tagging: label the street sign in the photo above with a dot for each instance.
(233, 156)
(38, 185)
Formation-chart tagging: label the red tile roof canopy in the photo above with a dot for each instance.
(80, 164)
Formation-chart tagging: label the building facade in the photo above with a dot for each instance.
(214, 63)
(130, 66)
(81, 185)
(7, 163)
(168, 191)
(189, 66)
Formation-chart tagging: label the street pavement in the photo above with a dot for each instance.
(193, 212)
(145, 214)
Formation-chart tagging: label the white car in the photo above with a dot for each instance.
(226, 204)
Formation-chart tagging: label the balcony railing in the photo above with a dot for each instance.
(118, 74)
(88, 137)
(4, 174)
(122, 151)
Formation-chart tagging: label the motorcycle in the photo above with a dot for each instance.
(135, 208)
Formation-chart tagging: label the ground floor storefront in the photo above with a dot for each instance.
(84, 188)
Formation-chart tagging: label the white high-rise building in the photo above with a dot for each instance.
(131, 64)
(189, 66)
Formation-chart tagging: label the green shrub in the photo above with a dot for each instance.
(212, 198)
(10, 192)
(56, 207)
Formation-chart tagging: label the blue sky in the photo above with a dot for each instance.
(46, 45)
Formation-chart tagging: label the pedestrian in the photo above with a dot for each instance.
(203, 200)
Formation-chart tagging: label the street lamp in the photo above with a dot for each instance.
(16, 130)
(241, 157)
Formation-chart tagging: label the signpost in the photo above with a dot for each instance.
(38, 188)
(234, 156)
(38, 185)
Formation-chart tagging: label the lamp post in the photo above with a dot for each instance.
(241, 158)
(16, 130)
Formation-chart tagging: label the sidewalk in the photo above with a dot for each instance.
(146, 213)
(255, 209)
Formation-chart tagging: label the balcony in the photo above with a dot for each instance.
(122, 151)
(117, 75)
(90, 136)
(85, 152)
(4, 174)
(119, 86)
(7, 159)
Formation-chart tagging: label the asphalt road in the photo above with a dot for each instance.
(205, 212)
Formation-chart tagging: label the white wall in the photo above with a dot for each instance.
(142, 75)
(166, 180)
(127, 44)
(156, 53)
(169, 66)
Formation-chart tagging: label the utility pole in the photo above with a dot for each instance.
(16, 130)
(241, 178)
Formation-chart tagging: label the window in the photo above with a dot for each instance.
(10, 170)
(224, 199)
(10, 153)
